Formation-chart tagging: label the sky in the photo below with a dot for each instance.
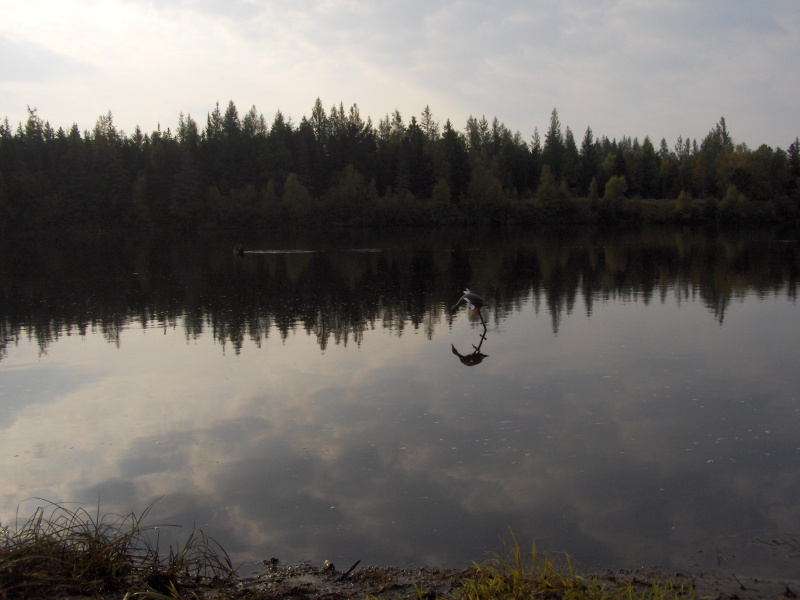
(631, 68)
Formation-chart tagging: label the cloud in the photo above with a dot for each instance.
(31, 63)
(624, 68)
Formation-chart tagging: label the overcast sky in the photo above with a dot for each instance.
(623, 67)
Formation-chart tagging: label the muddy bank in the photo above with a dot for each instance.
(307, 581)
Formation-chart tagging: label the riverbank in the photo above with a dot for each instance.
(305, 581)
(64, 553)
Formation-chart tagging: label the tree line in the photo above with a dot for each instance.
(335, 167)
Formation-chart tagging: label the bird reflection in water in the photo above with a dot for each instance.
(474, 302)
(476, 356)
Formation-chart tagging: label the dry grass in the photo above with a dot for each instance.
(511, 575)
(58, 551)
(62, 553)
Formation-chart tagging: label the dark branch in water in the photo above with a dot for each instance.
(346, 574)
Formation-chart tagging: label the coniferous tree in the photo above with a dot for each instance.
(456, 156)
(572, 161)
(588, 161)
(420, 168)
(536, 158)
(553, 153)
(429, 127)
(794, 168)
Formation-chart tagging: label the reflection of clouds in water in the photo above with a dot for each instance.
(580, 441)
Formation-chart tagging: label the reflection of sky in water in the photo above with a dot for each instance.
(642, 434)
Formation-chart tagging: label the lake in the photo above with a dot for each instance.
(632, 401)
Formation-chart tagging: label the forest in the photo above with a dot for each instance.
(337, 168)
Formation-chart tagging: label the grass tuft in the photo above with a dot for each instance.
(510, 574)
(59, 551)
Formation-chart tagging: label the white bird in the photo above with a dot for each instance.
(474, 302)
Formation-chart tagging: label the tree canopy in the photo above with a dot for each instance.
(336, 166)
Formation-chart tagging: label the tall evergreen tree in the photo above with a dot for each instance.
(429, 127)
(554, 151)
(457, 161)
(649, 169)
(572, 161)
(536, 158)
(589, 161)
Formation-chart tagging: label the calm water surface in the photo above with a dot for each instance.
(634, 400)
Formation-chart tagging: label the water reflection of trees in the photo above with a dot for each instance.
(73, 285)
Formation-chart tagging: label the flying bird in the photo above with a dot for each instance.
(473, 301)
